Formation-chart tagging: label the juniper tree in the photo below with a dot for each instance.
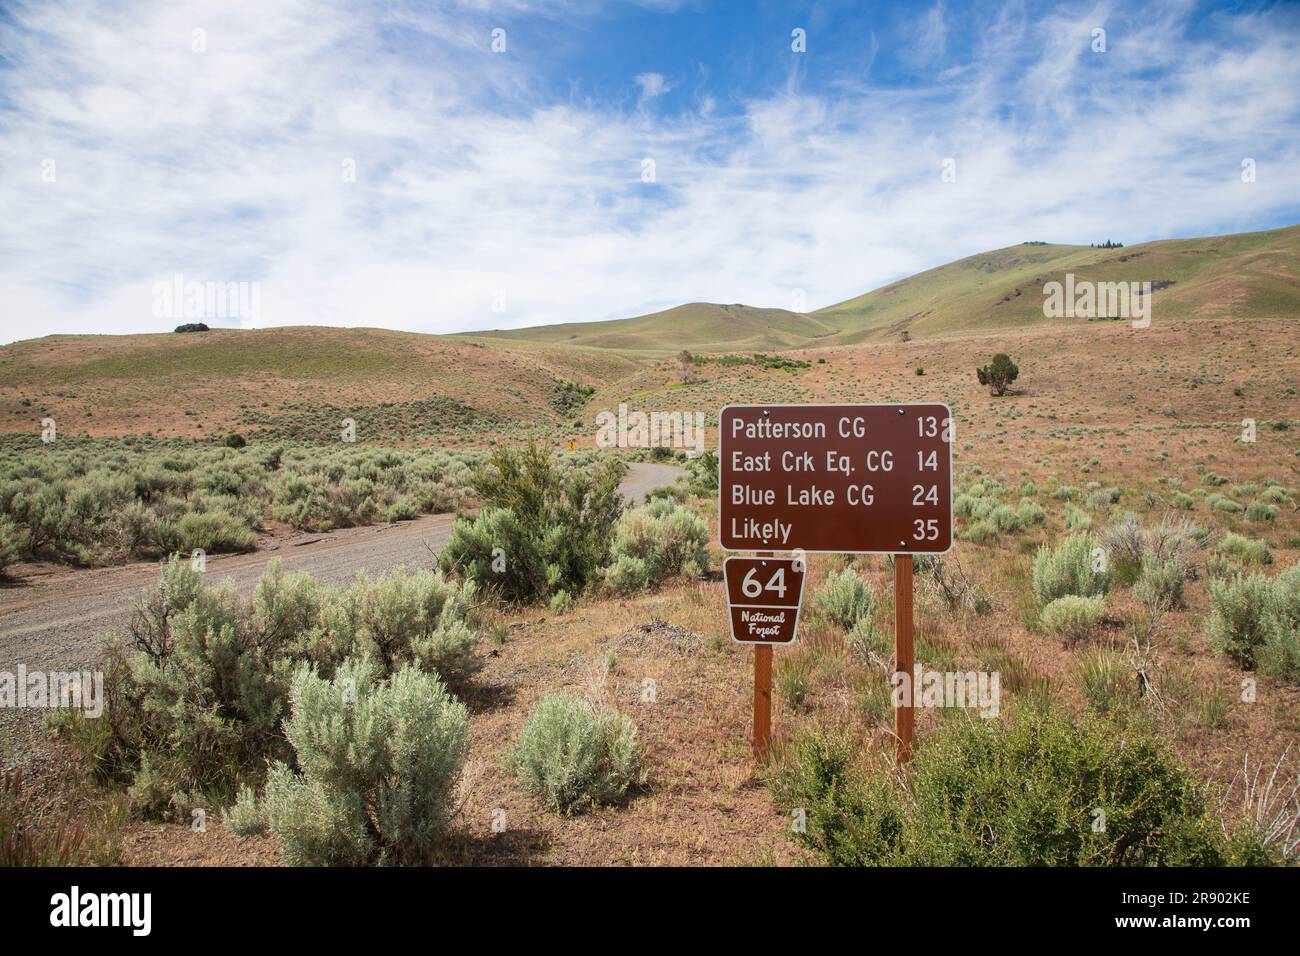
(998, 374)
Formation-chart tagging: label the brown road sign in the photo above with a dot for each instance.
(860, 479)
(763, 596)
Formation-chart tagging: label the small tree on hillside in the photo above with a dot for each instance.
(686, 366)
(998, 374)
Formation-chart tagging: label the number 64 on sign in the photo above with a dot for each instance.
(763, 597)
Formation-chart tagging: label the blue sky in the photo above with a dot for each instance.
(508, 188)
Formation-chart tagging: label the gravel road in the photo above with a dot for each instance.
(53, 619)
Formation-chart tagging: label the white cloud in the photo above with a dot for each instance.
(227, 165)
(652, 85)
(930, 36)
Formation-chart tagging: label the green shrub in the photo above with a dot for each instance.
(1223, 503)
(545, 528)
(195, 693)
(995, 793)
(379, 763)
(569, 396)
(1183, 501)
(1071, 567)
(655, 542)
(1076, 519)
(1239, 620)
(1097, 499)
(1259, 511)
(1220, 568)
(95, 501)
(1031, 513)
(246, 817)
(1006, 518)
(203, 694)
(1245, 550)
(1256, 621)
(1286, 595)
(977, 532)
(561, 602)
(998, 374)
(702, 474)
(1072, 616)
(1280, 654)
(844, 599)
(288, 610)
(10, 543)
(419, 618)
(1160, 585)
(677, 493)
(571, 754)
(627, 575)
(214, 532)
(403, 509)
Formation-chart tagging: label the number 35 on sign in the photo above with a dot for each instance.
(763, 596)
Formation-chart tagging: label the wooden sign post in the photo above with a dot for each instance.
(764, 594)
(904, 655)
(855, 479)
(762, 735)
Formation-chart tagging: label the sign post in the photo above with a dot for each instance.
(762, 735)
(763, 598)
(904, 655)
(855, 479)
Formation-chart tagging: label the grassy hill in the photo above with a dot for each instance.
(293, 382)
(698, 326)
(298, 383)
(1249, 275)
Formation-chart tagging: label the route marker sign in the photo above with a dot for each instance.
(763, 596)
(856, 479)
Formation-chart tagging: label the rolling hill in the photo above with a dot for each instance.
(292, 382)
(698, 326)
(1250, 275)
(297, 383)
